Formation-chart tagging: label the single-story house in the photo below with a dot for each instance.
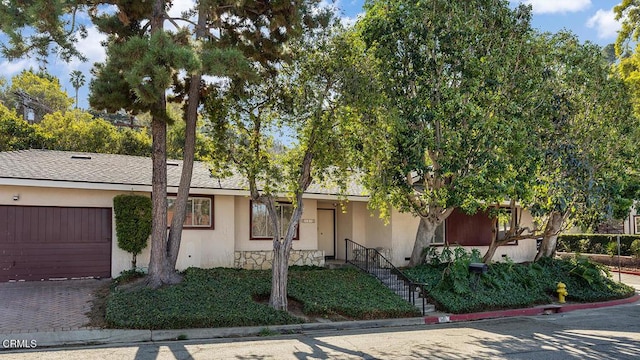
(56, 219)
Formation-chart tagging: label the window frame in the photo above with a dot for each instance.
(444, 234)
(278, 203)
(211, 226)
(636, 225)
(517, 215)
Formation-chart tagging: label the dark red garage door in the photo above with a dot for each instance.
(45, 242)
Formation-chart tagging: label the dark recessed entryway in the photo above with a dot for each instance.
(45, 242)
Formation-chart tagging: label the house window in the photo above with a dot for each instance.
(636, 220)
(261, 228)
(199, 212)
(504, 225)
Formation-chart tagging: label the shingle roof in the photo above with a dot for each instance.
(121, 169)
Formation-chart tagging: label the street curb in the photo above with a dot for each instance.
(212, 333)
(115, 336)
(119, 336)
(538, 310)
(637, 273)
(72, 337)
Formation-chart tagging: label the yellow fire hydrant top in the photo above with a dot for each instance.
(562, 292)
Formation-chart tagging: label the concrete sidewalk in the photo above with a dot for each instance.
(114, 336)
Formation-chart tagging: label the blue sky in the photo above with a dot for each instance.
(590, 20)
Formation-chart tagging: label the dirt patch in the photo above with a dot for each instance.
(295, 309)
(99, 307)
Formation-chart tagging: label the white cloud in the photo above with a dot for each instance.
(176, 12)
(91, 46)
(605, 23)
(556, 6)
(350, 21)
(181, 6)
(10, 68)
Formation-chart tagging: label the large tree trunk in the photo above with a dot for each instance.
(550, 236)
(280, 272)
(282, 249)
(158, 264)
(424, 236)
(191, 119)
(280, 266)
(160, 271)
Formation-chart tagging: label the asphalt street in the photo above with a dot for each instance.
(606, 333)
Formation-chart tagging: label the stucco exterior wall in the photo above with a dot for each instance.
(308, 230)
(359, 216)
(217, 248)
(344, 227)
(210, 248)
(403, 235)
(202, 248)
(378, 233)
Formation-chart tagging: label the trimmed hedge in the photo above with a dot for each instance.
(596, 243)
(133, 222)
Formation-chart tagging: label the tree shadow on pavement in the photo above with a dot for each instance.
(152, 351)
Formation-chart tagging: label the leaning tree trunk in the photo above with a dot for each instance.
(550, 236)
(424, 236)
(491, 251)
(191, 119)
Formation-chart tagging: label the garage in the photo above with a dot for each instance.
(46, 242)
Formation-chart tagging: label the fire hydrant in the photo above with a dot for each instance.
(562, 292)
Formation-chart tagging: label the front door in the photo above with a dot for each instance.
(326, 233)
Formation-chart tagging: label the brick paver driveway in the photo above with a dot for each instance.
(46, 305)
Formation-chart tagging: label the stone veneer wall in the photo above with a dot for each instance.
(262, 260)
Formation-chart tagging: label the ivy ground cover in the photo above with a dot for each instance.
(508, 285)
(227, 297)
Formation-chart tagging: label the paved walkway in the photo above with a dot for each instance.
(46, 305)
(629, 279)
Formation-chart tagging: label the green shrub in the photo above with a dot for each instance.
(133, 223)
(612, 248)
(584, 245)
(635, 248)
(597, 249)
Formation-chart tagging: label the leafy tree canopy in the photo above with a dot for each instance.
(41, 92)
(16, 133)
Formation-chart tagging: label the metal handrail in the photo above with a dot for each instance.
(371, 261)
